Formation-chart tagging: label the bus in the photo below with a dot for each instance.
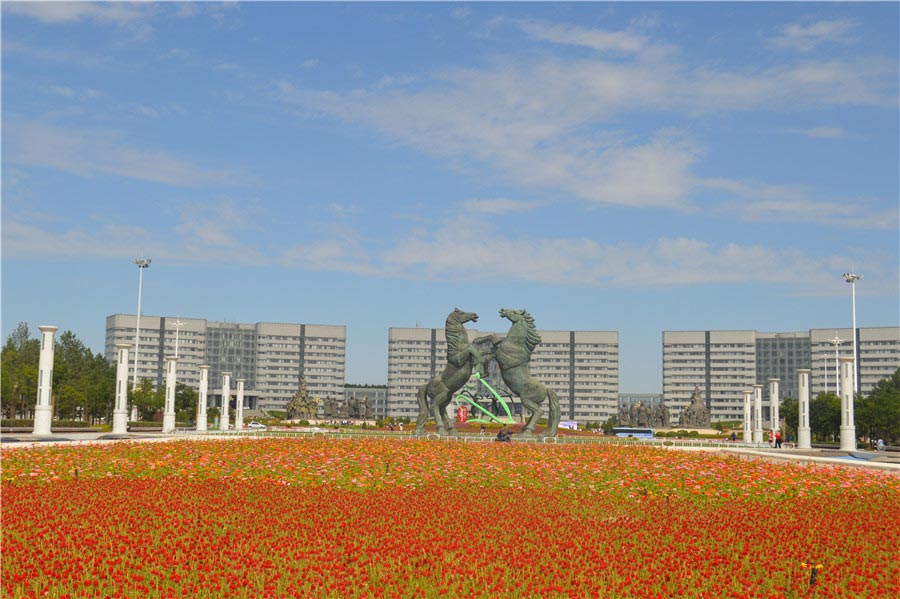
(633, 432)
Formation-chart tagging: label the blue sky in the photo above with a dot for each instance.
(639, 167)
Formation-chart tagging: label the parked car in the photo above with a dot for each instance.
(257, 426)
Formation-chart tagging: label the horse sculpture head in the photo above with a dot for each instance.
(459, 316)
(527, 333)
(515, 315)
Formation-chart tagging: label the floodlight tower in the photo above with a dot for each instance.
(852, 279)
(141, 263)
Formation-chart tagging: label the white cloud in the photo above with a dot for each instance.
(549, 123)
(665, 262)
(463, 249)
(68, 12)
(90, 153)
(821, 132)
(596, 39)
(310, 63)
(808, 37)
(757, 202)
(460, 12)
(499, 206)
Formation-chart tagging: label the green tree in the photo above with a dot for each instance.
(610, 424)
(19, 373)
(185, 403)
(825, 416)
(147, 401)
(790, 411)
(878, 414)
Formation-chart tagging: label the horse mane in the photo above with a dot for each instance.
(454, 331)
(531, 335)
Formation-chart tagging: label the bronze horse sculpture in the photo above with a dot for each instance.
(512, 354)
(462, 358)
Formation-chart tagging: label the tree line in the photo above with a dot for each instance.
(84, 383)
(876, 415)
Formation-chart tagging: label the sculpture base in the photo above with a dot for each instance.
(201, 423)
(803, 439)
(239, 423)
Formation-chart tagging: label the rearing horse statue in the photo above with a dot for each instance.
(462, 358)
(512, 354)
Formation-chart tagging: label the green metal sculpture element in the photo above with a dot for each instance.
(462, 358)
(490, 417)
(512, 354)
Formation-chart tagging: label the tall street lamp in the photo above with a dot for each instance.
(852, 279)
(141, 263)
(836, 342)
(177, 324)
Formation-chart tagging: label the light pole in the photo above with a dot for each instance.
(835, 342)
(852, 279)
(141, 263)
(177, 324)
(825, 369)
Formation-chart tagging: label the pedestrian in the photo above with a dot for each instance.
(482, 429)
(391, 426)
(778, 439)
(733, 436)
(400, 424)
(879, 446)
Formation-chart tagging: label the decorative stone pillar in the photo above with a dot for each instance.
(169, 412)
(803, 436)
(120, 411)
(774, 402)
(201, 401)
(226, 399)
(848, 428)
(239, 410)
(43, 409)
(748, 416)
(757, 414)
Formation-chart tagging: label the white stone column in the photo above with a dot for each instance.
(757, 414)
(43, 409)
(848, 428)
(774, 402)
(120, 411)
(169, 412)
(226, 399)
(201, 401)
(239, 412)
(803, 436)
(748, 416)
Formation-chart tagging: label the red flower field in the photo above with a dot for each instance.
(390, 518)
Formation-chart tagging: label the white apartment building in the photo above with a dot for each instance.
(725, 363)
(582, 367)
(271, 357)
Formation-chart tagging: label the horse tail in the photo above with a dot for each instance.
(554, 412)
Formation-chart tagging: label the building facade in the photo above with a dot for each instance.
(271, 357)
(722, 364)
(582, 367)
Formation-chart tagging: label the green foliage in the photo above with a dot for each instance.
(28, 423)
(83, 382)
(825, 416)
(19, 372)
(186, 399)
(790, 411)
(878, 415)
(610, 424)
(277, 414)
(147, 400)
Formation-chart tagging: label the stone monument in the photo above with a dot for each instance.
(695, 415)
